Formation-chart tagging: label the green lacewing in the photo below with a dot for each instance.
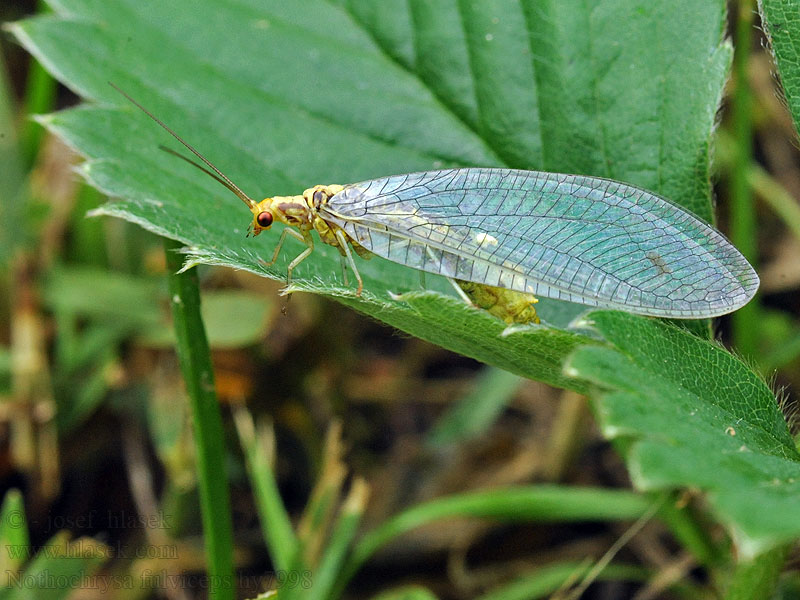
(581, 239)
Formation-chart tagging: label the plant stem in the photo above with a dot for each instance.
(743, 219)
(195, 359)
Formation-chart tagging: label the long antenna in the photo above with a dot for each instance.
(223, 179)
(211, 174)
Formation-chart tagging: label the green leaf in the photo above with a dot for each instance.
(12, 175)
(477, 410)
(698, 417)
(104, 296)
(338, 547)
(5, 371)
(779, 21)
(547, 580)
(57, 569)
(258, 447)
(14, 535)
(758, 578)
(284, 95)
(535, 503)
(410, 592)
(233, 318)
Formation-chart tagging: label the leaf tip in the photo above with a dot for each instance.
(13, 27)
(45, 120)
(189, 264)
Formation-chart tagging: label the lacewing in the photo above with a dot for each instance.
(582, 239)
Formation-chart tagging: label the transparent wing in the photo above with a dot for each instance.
(582, 239)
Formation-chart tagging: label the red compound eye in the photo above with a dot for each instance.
(264, 219)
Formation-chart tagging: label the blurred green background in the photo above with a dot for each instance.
(317, 398)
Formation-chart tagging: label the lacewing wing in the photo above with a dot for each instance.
(582, 239)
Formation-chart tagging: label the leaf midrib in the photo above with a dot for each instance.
(282, 104)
